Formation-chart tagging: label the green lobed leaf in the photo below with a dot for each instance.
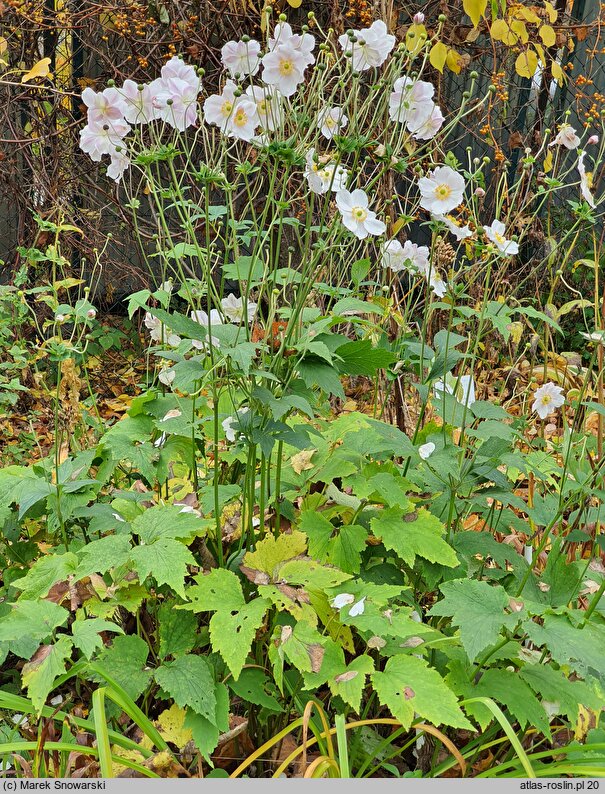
(232, 632)
(417, 533)
(189, 682)
(478, 608)
(46, 665)
(166, 560)
(408, 686)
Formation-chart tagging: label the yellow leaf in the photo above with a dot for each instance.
(170, 725)
(475, 10)
(454, 61)
(3, 45)
(557, 72)
(551, 11)
(302, 460)
(527, 14)
(500, 31)
(540, 51)
(415, 39)
(398, 225)
(518, 26)
(295, 3)
(548, 35)
(41, 69)
(526, 64)
(547, 164)
(438, 56)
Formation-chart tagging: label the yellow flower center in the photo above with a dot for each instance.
(546, 399)
(359, 214)
(286, 67)
(226, 108)
(240, 118)
(443, 191)
(500, 238)
(330, 122)
(262, 106)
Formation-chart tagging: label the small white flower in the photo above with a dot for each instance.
(566, 137)
(331, 121)
(459, 232)
(342, 600)
(358, 608)
(56, 701)
(268, 105)
(441, 190)
(284, 68)
(355, 214)
(20, 720)
(91, 314)
(167, 376)
(241, 57)
(235, 310)
(372, 47)
(437, 283)
(160, 441)
(585, 182)
(303, 44)
(593, 139)
(495, 233)
(324, 175)
(230, 421)
(547, 398)
(426, 450)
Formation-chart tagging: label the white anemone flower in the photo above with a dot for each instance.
(176, 102)
(495, 233)
(159, 332)
(459, 232)
(437, 283)
(303, 44)
(241, 57)
(138, 102)
(120, 161)
(235, 116)
(331, 122)
(104, 106)
(176, 67)
(463, 388)
(201, 317)
(268, 105)
(284, 68)
(547, 398)
(230, 421)
(99, 139)
(441, 190)
(426, 129)
(355, 214)
(372, 47)
(566, 137)
(585, 182)
(411, 101)
(426, 450)
(324, 175)
(409, 256)
(236, 310)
